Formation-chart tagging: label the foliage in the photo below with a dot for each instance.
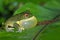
(43, 10)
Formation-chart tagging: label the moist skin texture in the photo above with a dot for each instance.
(11, 23)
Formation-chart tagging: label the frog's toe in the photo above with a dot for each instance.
(10, 30)
(19, 30)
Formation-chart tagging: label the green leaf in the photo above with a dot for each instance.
(25, 35)
(55, 4)
(1, 6)
(40, 12)
(52, 32)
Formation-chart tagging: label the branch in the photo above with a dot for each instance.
(57, 18)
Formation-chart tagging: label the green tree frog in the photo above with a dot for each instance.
(20, 22)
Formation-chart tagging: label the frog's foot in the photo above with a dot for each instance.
(10, 29)
(20, 30)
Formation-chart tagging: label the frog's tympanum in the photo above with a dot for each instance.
(19, 23)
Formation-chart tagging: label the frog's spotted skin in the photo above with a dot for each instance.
(12, 20)
(21, 24)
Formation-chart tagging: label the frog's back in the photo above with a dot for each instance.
(12, 19)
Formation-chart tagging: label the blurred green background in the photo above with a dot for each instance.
(42, 9)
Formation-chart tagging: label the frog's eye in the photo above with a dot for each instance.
(26, 14)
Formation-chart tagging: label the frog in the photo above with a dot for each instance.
(18, 22)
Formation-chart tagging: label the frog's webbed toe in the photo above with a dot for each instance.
(10, 30)
(20, 29)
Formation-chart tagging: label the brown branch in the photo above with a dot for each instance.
(57, 18)
(48, 21)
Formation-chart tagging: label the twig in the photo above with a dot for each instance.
(54, 20)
